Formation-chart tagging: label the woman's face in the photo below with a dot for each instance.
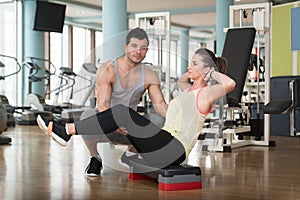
(196, 69)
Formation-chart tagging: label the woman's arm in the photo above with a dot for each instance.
(184, 82)
(210, 94)
(224, 84)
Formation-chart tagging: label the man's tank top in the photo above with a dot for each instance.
(184, 120)
(129, 97)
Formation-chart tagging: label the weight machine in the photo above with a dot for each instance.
(157, 25)
(239, 129)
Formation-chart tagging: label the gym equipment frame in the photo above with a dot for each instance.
(158, 23)
(232, 137)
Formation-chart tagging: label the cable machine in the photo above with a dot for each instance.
(157, 25)
(248, 131)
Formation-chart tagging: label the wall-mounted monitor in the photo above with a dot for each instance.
(49, 17)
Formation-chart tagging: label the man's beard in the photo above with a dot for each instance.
(135, 62)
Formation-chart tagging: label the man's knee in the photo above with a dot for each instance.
(120, 107)
(156, 119)
(121, 112)
(87, 113)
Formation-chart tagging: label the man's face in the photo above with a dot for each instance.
(136, 50)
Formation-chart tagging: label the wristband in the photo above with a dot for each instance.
(211, 73)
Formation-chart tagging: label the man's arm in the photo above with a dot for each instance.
(105, 79)
(105, 76)
(155, 94)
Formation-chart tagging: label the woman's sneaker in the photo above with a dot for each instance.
(58, 132)
(125, 159)
(43, 124)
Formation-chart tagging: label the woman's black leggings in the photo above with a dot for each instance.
(158, 147)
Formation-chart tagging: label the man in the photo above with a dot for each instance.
(124, 81)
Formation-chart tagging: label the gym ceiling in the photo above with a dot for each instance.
(196, 15)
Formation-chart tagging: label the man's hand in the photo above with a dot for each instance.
(122, 131)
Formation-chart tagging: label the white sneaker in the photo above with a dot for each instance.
(58, 132)
(42, 125)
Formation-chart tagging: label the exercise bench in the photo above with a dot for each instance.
(284, 105)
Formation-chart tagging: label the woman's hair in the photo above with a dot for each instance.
(210, 60)
(137, 33)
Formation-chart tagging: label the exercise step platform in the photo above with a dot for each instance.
(181, 177)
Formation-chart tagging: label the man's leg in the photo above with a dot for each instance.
(90, 141)
(155, 119)
(95, 165)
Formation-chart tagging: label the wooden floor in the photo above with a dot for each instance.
(35, 167)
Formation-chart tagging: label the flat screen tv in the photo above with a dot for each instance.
(49, 17)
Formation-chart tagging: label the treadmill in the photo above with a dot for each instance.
(61, 111)
(74, 113)
(22, 115)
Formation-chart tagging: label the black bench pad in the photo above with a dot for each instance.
(277, 106)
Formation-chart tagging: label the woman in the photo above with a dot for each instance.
(184, 120)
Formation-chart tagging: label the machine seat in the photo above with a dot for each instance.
(278, 107)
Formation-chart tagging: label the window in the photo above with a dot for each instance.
(98, 47)
(59, 57)
(10, 45)
(81, 54)
(71, 50)
(81, 47)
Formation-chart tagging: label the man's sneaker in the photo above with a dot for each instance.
(125, 159)
(58, 132)
(94, 168)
